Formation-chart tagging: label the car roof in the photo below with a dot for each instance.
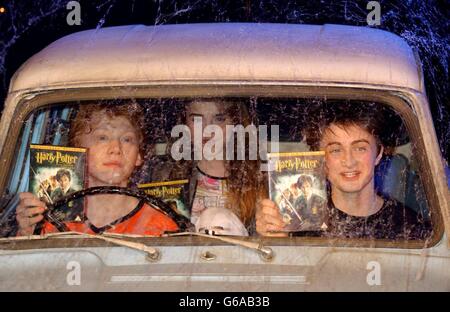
(237, 52)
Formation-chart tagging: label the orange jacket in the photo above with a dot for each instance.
(143, 220)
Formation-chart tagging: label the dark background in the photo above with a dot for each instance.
(26, 27)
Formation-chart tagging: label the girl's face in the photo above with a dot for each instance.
(209, 113)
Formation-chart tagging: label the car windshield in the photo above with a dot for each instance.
(254, 166)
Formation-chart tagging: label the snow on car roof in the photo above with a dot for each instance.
(222, 52)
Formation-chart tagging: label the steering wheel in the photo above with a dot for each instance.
(183, 223)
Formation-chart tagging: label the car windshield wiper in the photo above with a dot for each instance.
(153, 254)
(265, 252)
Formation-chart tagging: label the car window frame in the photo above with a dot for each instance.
(400, 100)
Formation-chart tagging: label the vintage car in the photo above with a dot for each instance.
(278, 70)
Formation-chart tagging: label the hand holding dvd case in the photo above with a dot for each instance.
(297, 186)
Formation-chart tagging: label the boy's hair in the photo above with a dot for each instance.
(82, 123)
(366, 116)
(61, 173)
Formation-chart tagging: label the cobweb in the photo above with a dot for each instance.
(27, 27)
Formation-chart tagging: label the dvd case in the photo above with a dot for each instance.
(297, 184)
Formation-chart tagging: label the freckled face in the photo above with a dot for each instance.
(351, 156)
(113, 150)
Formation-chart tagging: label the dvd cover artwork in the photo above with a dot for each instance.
(173, 193)
(297, 184)
(56, 172)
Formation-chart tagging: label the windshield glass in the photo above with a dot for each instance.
(272, 167)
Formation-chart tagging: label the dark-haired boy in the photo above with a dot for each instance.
(350, 137)
(64, 179)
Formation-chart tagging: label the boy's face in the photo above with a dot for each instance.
(113, 150)
(64, 182)
(306, 189)
(295, 190)
(351, 156)
(53, 182)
